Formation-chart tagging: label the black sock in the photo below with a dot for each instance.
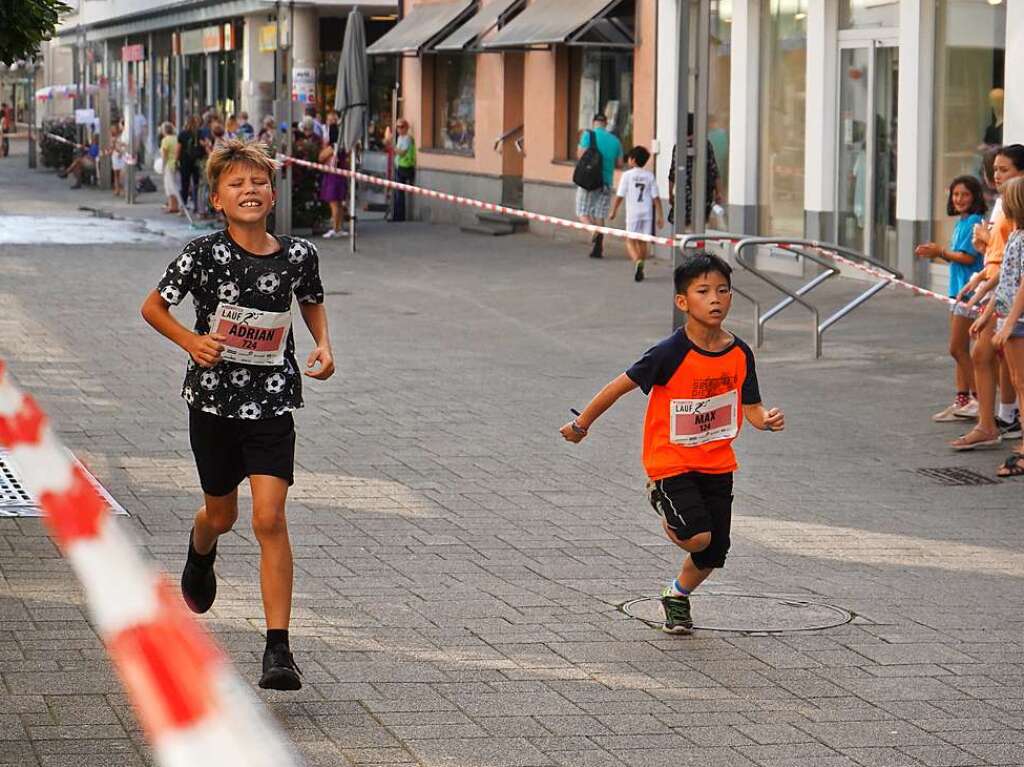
(203, 559)
(276, 637)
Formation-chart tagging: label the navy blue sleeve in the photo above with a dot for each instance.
(751, 392)
(659, 363)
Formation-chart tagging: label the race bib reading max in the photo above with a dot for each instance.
(254, 337)
(699, 421)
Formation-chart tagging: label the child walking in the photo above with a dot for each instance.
(1008, 307)
(640, 190)
(701, 383)
(966, 200)
(242, 382)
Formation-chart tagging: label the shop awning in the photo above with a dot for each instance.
(494, 14)
(423, 25)
(171, 16)
(581, 22)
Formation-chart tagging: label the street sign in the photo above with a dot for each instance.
(133, 53)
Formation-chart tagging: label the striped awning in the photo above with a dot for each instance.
(424, 24)
(552, 22)
(490, 16)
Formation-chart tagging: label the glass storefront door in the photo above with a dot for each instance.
(866, 197)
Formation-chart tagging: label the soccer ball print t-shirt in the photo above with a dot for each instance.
(215, 270)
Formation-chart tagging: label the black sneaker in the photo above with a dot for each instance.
(279, 669)
(638, 271)
(198, 581)
(597, 250)
(1009, 430)
(677, 613)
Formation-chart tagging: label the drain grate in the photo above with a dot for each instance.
(954, 477)
(16, 502)
(12, 494)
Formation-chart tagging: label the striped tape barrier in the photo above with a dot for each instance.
(568, 224)
(488, 206)
(128, 159)
(193, 707)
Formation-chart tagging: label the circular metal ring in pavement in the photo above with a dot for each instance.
(746, 613)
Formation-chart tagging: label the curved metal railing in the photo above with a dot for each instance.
(813, 250)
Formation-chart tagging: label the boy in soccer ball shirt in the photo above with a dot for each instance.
(702, 383)
(240, 414)
(640, 190)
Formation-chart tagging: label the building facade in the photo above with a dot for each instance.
(839, 120)
(176, 60)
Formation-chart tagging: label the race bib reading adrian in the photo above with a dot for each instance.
(252, 337)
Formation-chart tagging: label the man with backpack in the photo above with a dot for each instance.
(600, 153)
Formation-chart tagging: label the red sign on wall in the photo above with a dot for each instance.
(133, 53)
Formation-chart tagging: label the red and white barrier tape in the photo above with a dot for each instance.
(490, 206)
(892, 279)
(194, 708)
(128, 159)
(62, 140)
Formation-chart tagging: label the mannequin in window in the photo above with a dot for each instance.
(994, 132)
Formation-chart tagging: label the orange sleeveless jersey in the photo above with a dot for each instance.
(695, 406)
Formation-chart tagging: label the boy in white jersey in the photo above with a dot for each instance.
(640, 190)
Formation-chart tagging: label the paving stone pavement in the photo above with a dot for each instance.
(459, 567)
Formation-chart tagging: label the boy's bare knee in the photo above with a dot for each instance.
(222, 514)
(268, 523)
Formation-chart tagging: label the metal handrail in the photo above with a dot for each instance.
(793, 295)
(505, 136)
(806, 249)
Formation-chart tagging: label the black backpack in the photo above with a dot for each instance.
(589, 173)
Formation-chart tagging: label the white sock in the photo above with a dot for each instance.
(1008, 412)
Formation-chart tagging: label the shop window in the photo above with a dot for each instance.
(600, 81)
(455, 103)
(783, 98)
(970, 62)
(720, 90)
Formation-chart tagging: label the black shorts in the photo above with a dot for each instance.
(227, 450)
(695, 503)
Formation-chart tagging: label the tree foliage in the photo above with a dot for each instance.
(24, 24)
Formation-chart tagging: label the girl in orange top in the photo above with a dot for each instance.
(1009, 163)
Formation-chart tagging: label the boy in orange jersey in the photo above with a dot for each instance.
(698, 380)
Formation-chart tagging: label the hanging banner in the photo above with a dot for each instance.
(268, 38)
(213, 39)
(133, 53)
(191, 42)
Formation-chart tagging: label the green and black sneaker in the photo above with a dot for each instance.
(677, 613)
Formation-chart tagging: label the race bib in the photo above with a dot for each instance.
(699, 421)
(254, 337)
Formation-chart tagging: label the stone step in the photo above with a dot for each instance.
(491, 229)
(488, 217)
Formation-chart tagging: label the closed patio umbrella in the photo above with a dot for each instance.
(352, 100)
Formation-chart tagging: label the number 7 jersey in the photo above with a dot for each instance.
(695, 405)
(638, 187)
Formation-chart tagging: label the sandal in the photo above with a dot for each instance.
(964, 443)
(1012, 467)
